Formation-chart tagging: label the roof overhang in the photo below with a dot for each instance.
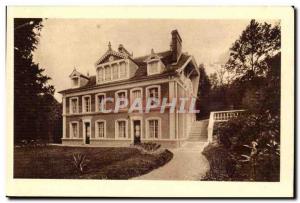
(192, 61)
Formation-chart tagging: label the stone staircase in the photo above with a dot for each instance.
(199, 132)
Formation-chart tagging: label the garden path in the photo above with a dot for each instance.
(187, 164)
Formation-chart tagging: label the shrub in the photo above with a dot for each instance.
(247, 148)
(79, 161)
(148, 147)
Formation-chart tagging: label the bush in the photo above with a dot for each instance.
(80, 162)
(246, 148)
(148, 147)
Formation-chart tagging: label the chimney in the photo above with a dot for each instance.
(176, 46)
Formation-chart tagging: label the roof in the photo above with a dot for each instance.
(141, 72)
(76, 73)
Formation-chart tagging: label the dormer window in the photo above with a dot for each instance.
(154, 64)
(78, 79)
(115, 71)
(100, 75)
(107, 73)
(75, 82)
(153, 67)
(115, 66)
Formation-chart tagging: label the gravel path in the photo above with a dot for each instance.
(187, 164)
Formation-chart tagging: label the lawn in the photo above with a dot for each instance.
(101, 163)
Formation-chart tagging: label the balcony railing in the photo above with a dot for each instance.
(220, 116)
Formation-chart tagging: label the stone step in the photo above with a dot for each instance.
(198, 136)
(197, 128)
(198, 132)
(198, 139)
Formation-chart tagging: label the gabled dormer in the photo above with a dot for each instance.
(154, 64)
(78, 79)
(115, 65)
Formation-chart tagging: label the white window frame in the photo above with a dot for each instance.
(148, 130)
(71, 105)
(107, 78)
(117, 129)
(126, 69)
(159, 93)
(83, 103)
(118, 62)
(71, 130)
(158, 66)
(131, 93)
(97, 129)
(112, 71)
(97, 109)
(116, 95)
(97, 75)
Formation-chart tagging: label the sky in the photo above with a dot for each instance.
(68, 43)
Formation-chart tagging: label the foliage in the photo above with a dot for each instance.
(254, 140)
(34, 104)
(248, 54)
(251, 142)
(204, 87)
(80, 162)
(150, 146)
(32, 143)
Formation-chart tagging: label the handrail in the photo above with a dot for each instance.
(220, 116)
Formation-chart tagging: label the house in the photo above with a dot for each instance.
(89, 105)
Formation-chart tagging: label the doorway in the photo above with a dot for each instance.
(87, 132)
(137, 131)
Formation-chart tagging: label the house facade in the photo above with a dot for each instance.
(97, 110)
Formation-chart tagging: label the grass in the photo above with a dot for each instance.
(56, 162)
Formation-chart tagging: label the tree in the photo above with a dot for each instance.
(31, 87)
(248, 54)
(203, 92)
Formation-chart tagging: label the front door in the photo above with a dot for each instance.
(87, 130)
(137, 131)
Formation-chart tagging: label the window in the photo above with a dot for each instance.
(135, 93)
(153, 93)
(112, 70)
(75, 81)
(74, 130)
(122, 94)
(100, 75)
(123, 72)
(74, 105)
(107, 73)
(100, 129)
(153, 67)
(153, 128)
(115, 71)
(100, 105)
(121, 129)
(86, 104)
